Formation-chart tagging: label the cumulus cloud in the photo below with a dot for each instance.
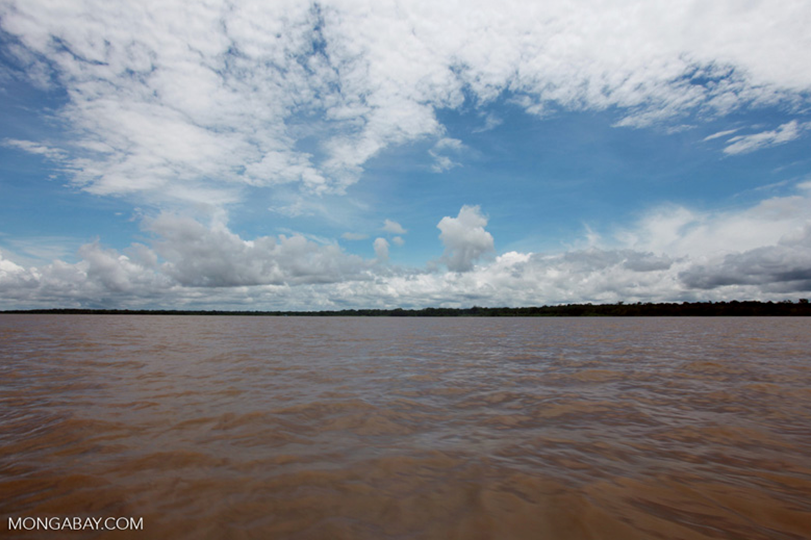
(197, 255)
(189, 264)
(185, 258)
(381, 246)
(464, 238)
(190, 101)
(781, 265)
(517, 279)
(682, 232)
(785, 268)
(115, 272)
(102, 277)
(743, 144)
(9, 270)
(393, 227)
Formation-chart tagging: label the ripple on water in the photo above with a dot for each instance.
(309, 428)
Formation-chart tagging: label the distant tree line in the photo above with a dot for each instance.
(620, 309)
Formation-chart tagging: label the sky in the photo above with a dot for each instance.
(286, 155)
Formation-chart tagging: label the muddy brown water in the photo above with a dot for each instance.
(399, 428)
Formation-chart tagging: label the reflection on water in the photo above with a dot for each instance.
(309, 428)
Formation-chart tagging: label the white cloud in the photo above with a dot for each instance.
(196, 255)
(354, 236)
(186, 257)
(176, 100)
(205, 103)
(743, 144)
(491, 121)
(117, 273)
(8, 269)
(720, 134)
(33, 250)
(393, 227)
(681, 232)
(442, 162)
(398, 241)
(54, 154)
(464, 238)
(156, 99)
(381, 246)
(672, 254)
(101, 277)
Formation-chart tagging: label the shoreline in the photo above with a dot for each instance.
(684, 309)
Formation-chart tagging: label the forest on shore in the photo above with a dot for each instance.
(785, 308)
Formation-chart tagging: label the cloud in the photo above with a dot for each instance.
(464, 238)
(178, 101)
(156, 102)
(682, 232)
(118, 273)
(720, 134)
(39, 249)
(393, 227)
(443, 162)
(341, 211)
(9, 270)
(743, 144)
(53, 154)
(354, 236)
(784, 268)
(519, 279)
(491, 121)
(186, 257)
(671, 254)
(381, 246)
(398, 241)
(213, 256)
(102, 277)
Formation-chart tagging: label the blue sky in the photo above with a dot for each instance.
(291, 155)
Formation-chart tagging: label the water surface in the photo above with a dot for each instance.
(400, 428)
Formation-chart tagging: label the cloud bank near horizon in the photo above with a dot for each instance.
(670, 254)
